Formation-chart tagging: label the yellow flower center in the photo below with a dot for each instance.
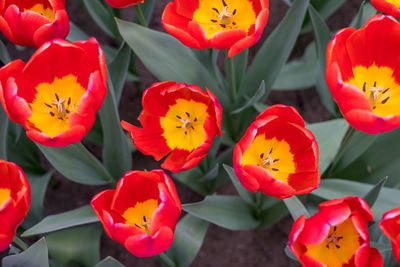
(271, 154)
(53, 104)
(219, 15)
(40, 9)
(4, 195)
(339, 247)
(140, 215)
(394, 2)
(183, 124)
(380, 87)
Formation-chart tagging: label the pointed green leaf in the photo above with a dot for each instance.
(77, 164)
(338, 188)
(189, 235)
(275, 51)
(3, 133)
(296, 207)
(240, 64)
(329, 135)
(76, 246)
(373, 194)
(254, 99)
(116, 154)
(80, 216)
(273, 214)
(167, 58)
(230, 212)
(35, 256)
(109, 262)
(119, 69)
(4, 56)
(322, 38)
(365, 12)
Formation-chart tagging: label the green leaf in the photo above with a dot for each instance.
(95, 135)
(365, 12)
(4, 56)
(103, 18)
(373, 194)
(35, 256)
(3, 133)
(275, 51)
(229, 212)
(38, 183)
(338, 188)
(329, 135)
(322, 38)
(254, 99)
(76, 246)
(290, 254)
(77, 164)
(379, 160)
(299, 73)
(80, 216)
(167, 58)
(356, 146)
(245, 194)
(240, 65)
(109, 262)
(76, 34)
(273, 214)
(147, 8)
(191, 179)
(188, 238)
(119, 69)
(116, 154)
(295, 207)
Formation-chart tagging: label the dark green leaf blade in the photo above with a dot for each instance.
(77, 164)
(109, 262)
(80, 216)
(189, 235)
(35, 256)
(119, 69)
(167, 58)
(254, 99)
(296, 207)
(243, 192)
(76, 246)
(3, 133)
(373, 194)
(230, 212)
(116, 154)
(322, 38)
(275, 51)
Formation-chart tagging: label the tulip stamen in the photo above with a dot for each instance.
(146, 225)
(186, 124)
(374, 93)
(268, 161)
(333, 238)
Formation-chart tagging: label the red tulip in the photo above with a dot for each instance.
(178, 120)
(141, 214)
(390, 7)
(336, 236)
(390, 225)
(55, 96)
(277, 155)
(363, 77)
(219, 24)
(123, 3)
(15, 198)
(33, 22)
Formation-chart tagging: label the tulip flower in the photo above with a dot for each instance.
(219, 24)
(390, 7)
(33, 22)
(15, 198)
(123, 3)
(55, 96)
(141, 214)
(178, 120)
(390, 225)
(336, 236)
(277, 155)
(362, 74)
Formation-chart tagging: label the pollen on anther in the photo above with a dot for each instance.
(385, 100)
(69, 101)
(387, 89)
(275, 160)
(48, 105)
(234, 12)
(222, 25)
(187, 114)
(275, 169)
(223, 2)
(216, 10)
(262, 155)
(213, 20)
(364, 86)
(144, 218)
(52, 114)
(58, 99)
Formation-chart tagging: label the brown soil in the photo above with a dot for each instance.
(221, 247)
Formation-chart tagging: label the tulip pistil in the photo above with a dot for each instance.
(225, 18)
(268, 162)
(59, 104)
(187, 124)
(333, 238)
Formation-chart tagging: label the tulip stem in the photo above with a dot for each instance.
(20, 243)
(140, 16)
(231, 77)
(166, 260)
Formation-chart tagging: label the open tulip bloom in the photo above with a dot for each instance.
(55, 96)
(15, 198)
(141, 213)
(277, 155)
(178, 120)
(390, 7)
(363, 75)
(390, 225)
(336, 236)
(219, 24)
(33, 22)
